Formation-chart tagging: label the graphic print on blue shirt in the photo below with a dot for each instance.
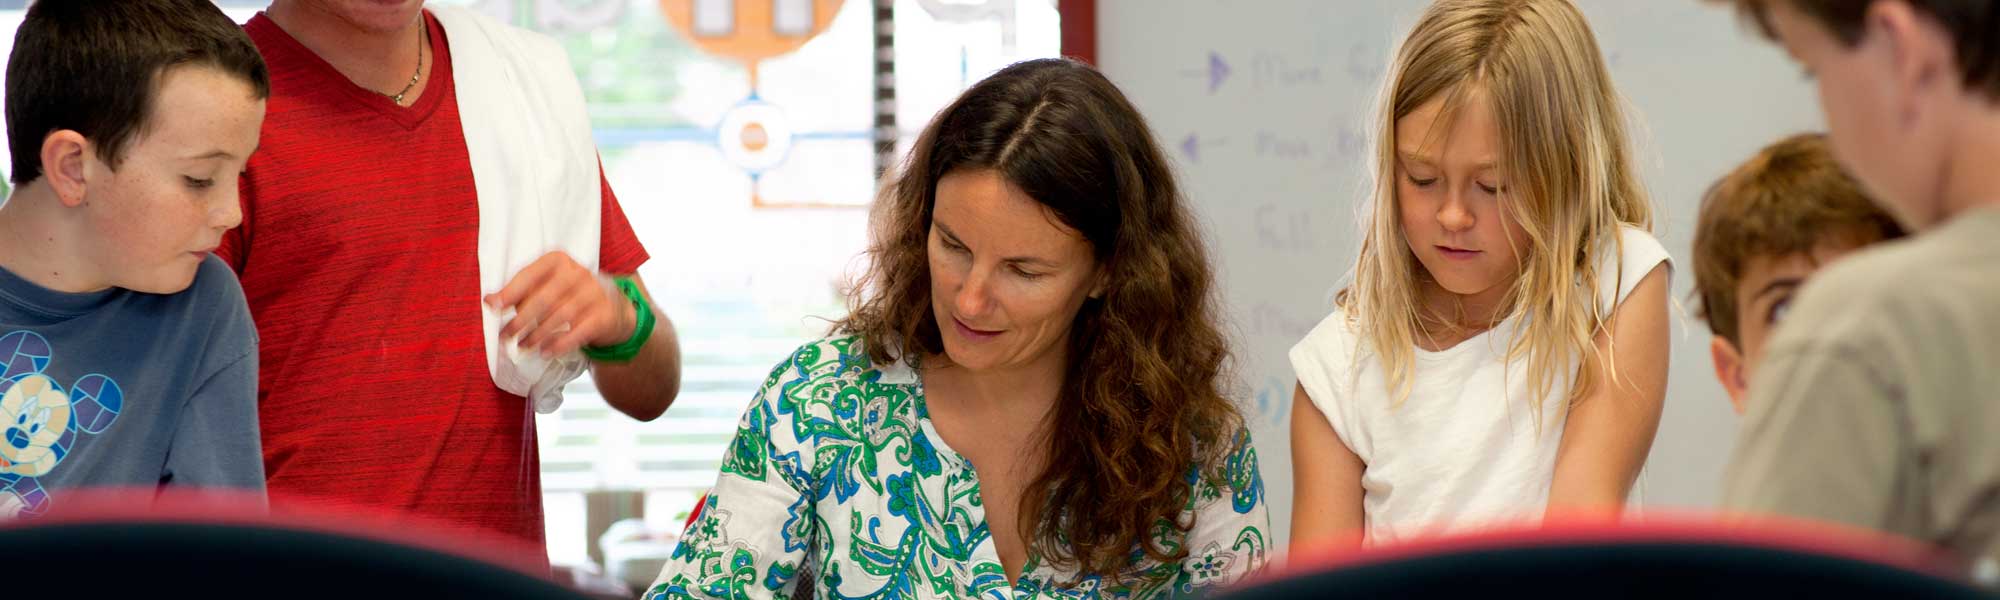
(40, 421)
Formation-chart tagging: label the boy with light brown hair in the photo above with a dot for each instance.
(1763, 230)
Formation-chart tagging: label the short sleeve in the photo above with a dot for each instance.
(1324, 363)
(1637, 253)
(754, 532)
(216, 442)
(619, 251)
(1230, 538)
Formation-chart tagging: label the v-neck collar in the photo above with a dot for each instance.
(902, 372)
(439, 87)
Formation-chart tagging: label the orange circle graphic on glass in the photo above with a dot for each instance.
(754, 137)
(750, 30)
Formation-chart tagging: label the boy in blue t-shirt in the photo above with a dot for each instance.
(127, 354)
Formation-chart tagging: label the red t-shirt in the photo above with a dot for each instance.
(359, 255)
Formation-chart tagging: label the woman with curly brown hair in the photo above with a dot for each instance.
(1038, 305)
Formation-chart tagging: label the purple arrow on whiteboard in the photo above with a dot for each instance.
(1192, 144)
(1217, 71)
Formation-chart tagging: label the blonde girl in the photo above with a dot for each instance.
(1501, 352)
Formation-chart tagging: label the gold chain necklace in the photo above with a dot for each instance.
(421, 42)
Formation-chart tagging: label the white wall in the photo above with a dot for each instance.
(1278, 168)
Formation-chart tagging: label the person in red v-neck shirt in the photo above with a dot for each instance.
(357, 252)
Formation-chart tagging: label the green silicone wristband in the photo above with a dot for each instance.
(642, 327)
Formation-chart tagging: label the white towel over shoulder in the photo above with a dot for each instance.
(535, 169)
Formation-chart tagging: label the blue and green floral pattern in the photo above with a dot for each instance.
(836, 475)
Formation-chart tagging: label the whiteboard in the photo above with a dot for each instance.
(1264, 105)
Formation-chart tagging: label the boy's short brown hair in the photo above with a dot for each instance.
(1786, 200)
(95, 67)
(1974, 27)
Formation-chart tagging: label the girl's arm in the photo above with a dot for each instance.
(1326, 481)
(1609, 431)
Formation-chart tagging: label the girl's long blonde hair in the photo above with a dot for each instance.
(1570, 180)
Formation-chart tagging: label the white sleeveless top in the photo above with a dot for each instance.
(1465, 449)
